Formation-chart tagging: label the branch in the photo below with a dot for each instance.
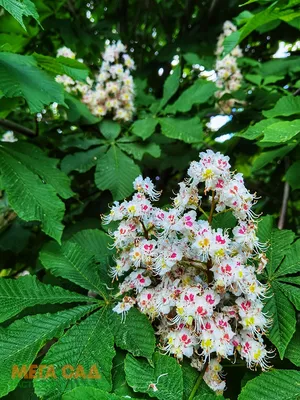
(285, 199)
(71, 8)
(211, 9)
(17, 128)
(296, 92)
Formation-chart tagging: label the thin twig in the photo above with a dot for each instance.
(211, 8)
(17, 128)
(285, 199)
(71, 8)
(36, 127)
(296, 92)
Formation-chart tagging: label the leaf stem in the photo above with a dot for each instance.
(145, 230)
(212, 209)
(285, 200)
(17, 128)
(223, 212)
(197, 384)
(203, 212)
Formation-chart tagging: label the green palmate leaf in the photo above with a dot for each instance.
(120, 386)
(110, 129)
(269, 26)
(82, 161)
(198, 93)
(256, 130)
(291, 263)
(285, 106)
(206, 61)
(28, 196)
(262, 18)
(77, 111)
(75, 69)
(255, 22)
(80, 141)
(62, 66)
(142, 98)
(272, 79)
(90, 393)
(20, 9)
(230, 42)
(292, 175)
(35, 160)
(70, 261)
(136, 334)
(192, 58)
(27, 291)
(293, 349)
(95, 242)
(224, 221)
(243, 17)
(256, 79)
(295, 23)
(265, 226)
(163, 381)
(138, 150)
(284, 66)
(116, 172)
(187, 130)
(171, 86)
(277, 304)
(22, 340)
(282, 131)
(267, 157)
(279, 242)
(279, 384)
(89, 347)
(290, 279)
(7, 106)
(12, 42)
(144, 128)
(21, 77)
(209, 396)
(291, 292)
(282, 312)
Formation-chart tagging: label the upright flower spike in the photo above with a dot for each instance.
(111, 92)
(197, 280)
(229, 76)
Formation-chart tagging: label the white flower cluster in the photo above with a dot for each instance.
(71, 85)
(197, 280)
(229, 76)
(112, 90)
(9, 136)
(66, 52)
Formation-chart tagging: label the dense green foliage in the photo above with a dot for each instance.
(65, 169)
